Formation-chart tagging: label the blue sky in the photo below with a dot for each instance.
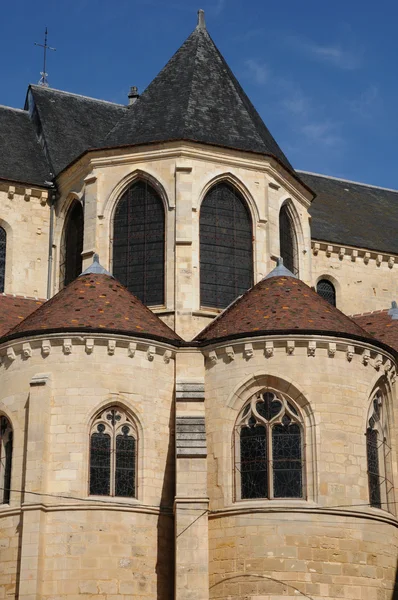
(322, 75)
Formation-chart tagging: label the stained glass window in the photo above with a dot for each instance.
(139, 243)
(288, 241)
(72, 245)
(269, 456)
(378, 455)
(113, 454)
(6, 441)
(326, 289)
(3, 244)
(226, 247)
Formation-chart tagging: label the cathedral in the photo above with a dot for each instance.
(198, 353)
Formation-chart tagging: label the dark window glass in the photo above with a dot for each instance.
(100, 462)
(71, 266)
(327, 291)
(125, 464)
(372, 451)
(287, 460)
(287, 239)
(6, 445)
(3, 244)
(226, 240)
(139, 243)
(253, 462)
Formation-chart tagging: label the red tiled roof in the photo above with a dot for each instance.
(381, 326)
(280, 304)
(95, 302)
(13, 309)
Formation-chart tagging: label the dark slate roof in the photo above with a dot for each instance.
(13, 309)
(280, 305)
(196, 97)
(381, 325)
(72, 124)
(95, 303)
(353, 214)
(21, 156)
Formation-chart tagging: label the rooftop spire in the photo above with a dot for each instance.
(96, 268)
(280, 270)
(201, 19)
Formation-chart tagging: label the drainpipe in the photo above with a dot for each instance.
(53, 195)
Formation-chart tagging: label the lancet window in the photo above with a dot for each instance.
(288, 240)
(378, 452)
(3, 248)
(139, 243)
(6, 440)
(72, 247)
(226, 246)
(113, 454)
(269, 453)
(327, 290)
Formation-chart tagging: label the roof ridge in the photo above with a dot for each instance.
(197, 32)
(13, 108)
(50, 89)
(375, 187)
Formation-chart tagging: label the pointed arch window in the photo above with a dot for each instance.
(327, 291)
(226, 246)
(113, 454)
(139, 243)
(288, 240)
(6, 442)
(3, 248)
(269, 461)
(378, 453)
(72, 246)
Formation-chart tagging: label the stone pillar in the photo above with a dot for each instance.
(183, 297)
(33, 520)
(191, 501)
(90, 241)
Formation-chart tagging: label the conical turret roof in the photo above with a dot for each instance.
(196, 97)
(95, 302)
(281, 304)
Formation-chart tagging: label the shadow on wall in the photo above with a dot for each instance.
(165, 538)
(395, 590)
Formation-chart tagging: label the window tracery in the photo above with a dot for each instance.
(288, 241)
(226, 246)
(71, 260)
(139, 243)
(3, 248)
(6, 443)
(378, 453)
(269, 461)
(113, 454)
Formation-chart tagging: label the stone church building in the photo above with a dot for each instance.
(182, 413)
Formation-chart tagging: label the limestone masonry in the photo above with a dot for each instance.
(198, 353)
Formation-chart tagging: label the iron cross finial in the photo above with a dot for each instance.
(43, 79)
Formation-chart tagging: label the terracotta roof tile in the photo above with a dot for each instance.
(95, 302)
(381, 326)
(13, 309)
(280, 304)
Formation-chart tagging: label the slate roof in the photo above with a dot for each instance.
(279, 305)
(95, 303)
(21, 156)
(13, 309)
(72, 124)
(353, 214)
(381, 326)
(196, 97)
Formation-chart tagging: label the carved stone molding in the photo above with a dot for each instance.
(26, 350)
(269, 349)
(111, 347)
(150, 353)
(229, 351)
(67, 346)
(212, 356)
(248, 351)
(11, 354)
(188, 390)
(350, 353)
(332, 348)
(290, 346)
(311, 348)
(89, 345)
(45, 347)
(190, 437)
(131, 350)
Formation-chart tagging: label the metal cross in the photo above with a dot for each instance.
(43, 80)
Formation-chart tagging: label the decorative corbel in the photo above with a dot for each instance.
(28, 194)
(366, 357)
(311, 348)
(329, 250)
(379, 259)
(350, 353)
(269, 349)
(11, 354)
(366, 258)
(391, 262)
(341, 253)
(377, 362)
(132, 348)
(290, 346)
(354, 255)
(111, 347)
(213, 357)
(332, 348)
(67, 346)
(11, 192)
(229, 351)
(316, 249)
(150, 353)
(89, 345)
(43, 198)
(167, 356)
(248, 351)
(45, 347)
(26, 350)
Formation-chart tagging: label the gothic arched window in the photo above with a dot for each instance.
(378, 453)
(5, 460)
(72, 246)
(3, 248)
(139, 243)
(113, 454)
(327, 290)
(288, 241)
(269, 460)
(226, 247)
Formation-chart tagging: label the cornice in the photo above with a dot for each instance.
(354, 254)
